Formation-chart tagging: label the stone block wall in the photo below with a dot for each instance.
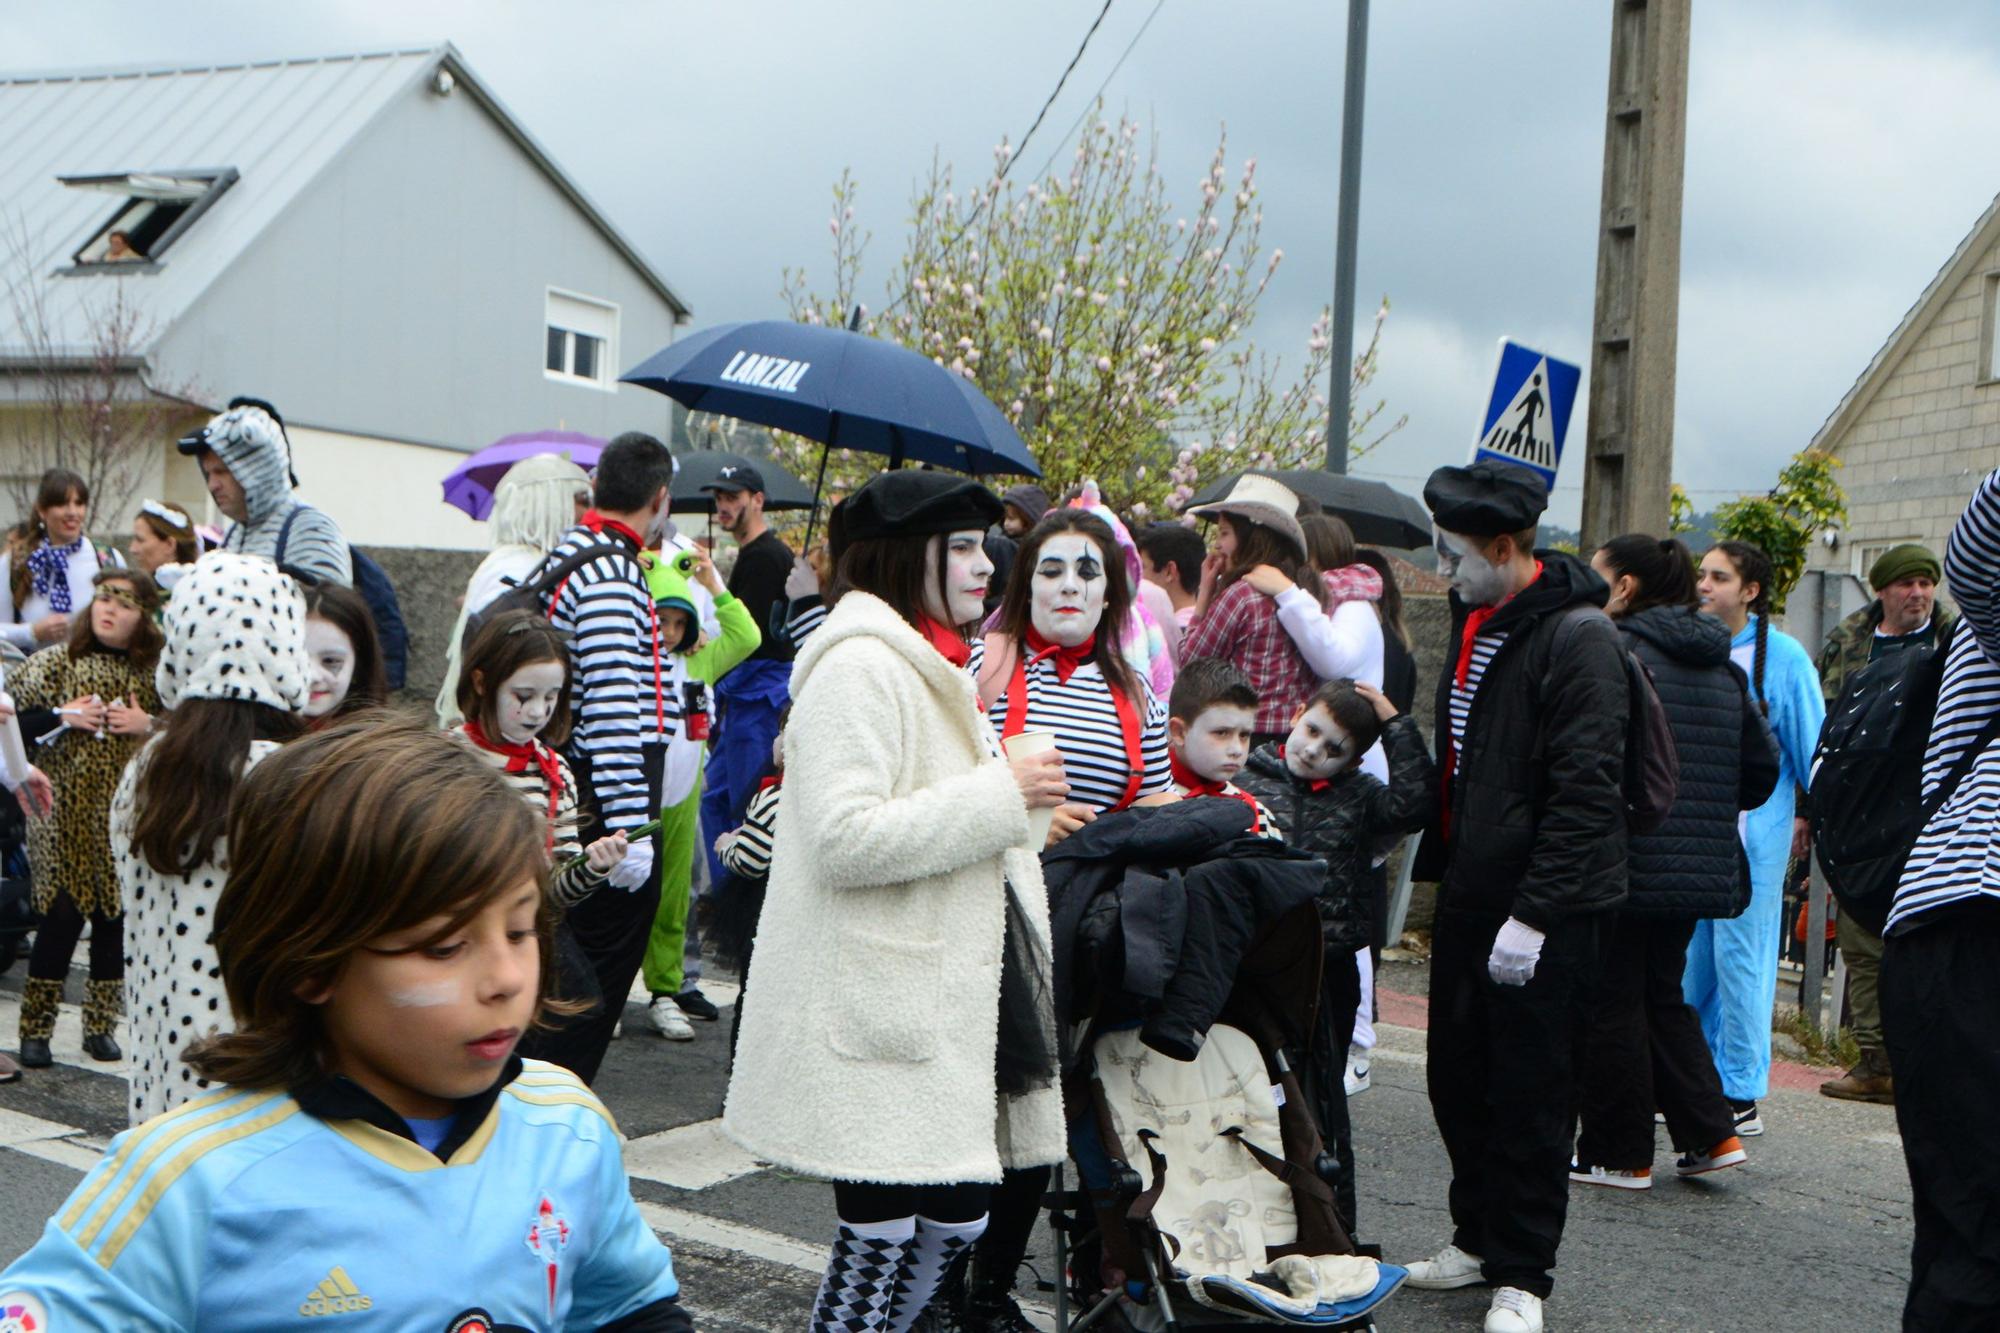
(429, 584)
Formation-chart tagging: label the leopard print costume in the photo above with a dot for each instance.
(71, 851)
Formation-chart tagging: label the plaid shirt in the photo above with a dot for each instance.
(1242, 628)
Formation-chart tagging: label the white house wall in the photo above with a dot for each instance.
(1912, 456)
(402, 295)
(382, 492)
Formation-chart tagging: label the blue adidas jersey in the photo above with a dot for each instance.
(239, 1210)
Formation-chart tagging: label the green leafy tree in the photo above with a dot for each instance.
(1783, 522)
(1110, 326)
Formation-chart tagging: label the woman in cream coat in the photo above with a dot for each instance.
(903, 872)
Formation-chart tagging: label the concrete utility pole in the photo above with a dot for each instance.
(1338, 416)
(1629, 454)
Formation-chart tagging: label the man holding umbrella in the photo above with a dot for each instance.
(751, 698)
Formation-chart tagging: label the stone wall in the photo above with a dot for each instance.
(429, 584)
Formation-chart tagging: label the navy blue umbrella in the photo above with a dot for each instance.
(843, 388)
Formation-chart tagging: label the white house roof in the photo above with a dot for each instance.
(1983, 236)
(278, 123)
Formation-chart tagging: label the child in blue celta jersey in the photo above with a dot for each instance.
(378, 1148)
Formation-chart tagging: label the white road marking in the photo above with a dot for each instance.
(689, 1157)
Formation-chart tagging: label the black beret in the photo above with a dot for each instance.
(1486, 499)
(912, 504)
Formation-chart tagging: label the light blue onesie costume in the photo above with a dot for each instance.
(1732, 966)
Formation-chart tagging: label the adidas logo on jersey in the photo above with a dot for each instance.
(336, 1295)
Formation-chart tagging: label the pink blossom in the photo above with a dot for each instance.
(1097, 298)
(1016, 407)
(1206, 344)
(1045, 333)
(1104, 363)
(833, 225)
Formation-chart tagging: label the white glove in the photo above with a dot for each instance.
(801, 582)
(636, 869)
(1516, 950)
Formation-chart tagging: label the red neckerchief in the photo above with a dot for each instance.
(765, 784)
(599, 524)
(946, 640)
(1314, 785)
(1475, 620)
(1128, 716)
(1194, 784)
(1066, 660)
(519, 758)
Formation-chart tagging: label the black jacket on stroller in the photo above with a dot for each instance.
(1152, 909)
(1348, 824)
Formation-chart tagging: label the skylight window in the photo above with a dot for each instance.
(156, 208)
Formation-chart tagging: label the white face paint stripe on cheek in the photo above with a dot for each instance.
(426, 996)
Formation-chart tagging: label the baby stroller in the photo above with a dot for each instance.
(1206, 1200)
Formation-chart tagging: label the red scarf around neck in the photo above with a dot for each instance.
(1194, 784)
(1475, 620)
(1065, 660)
(599, 524)
(946, 640)
(519, 759)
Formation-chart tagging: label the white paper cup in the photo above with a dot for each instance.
(1027, 743)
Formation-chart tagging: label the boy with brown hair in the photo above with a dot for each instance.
(383, 956)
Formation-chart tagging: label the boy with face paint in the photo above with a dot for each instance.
(1211, 716)
(1529, 852)
(1327, 806)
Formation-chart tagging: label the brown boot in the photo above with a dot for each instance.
(1868, 1081)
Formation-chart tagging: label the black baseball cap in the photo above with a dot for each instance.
(735, 478)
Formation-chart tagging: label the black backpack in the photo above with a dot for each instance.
(1652, 777)
(536, 591)
(1867, 784)
(375, 589)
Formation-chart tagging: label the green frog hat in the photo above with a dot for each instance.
(667, 579)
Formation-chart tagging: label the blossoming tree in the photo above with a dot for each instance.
(1111, 327)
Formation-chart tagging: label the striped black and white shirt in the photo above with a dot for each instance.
(1084, 718)
(749, 853)
(625, 688)
(1952, 861)
(1484, 646)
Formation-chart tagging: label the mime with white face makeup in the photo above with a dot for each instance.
(1529, 852)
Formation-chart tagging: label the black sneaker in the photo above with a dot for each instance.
(1744, 1115)
(696, 1005)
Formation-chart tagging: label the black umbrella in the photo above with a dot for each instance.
(782, 490)
(1379, 514)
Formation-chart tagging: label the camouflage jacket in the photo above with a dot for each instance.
(1846, 649)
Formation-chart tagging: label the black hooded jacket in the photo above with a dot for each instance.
(1693, 865)
(1534, 824)
(1346, 822)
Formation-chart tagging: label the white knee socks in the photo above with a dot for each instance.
(861, 1275)
(936, 1248)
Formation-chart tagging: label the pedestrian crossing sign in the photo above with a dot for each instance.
(1527, 414)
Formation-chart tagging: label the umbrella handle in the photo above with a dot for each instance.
(819, 483)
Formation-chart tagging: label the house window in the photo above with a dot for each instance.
(155, 209)
(1866, 554)
(1990, 323)
(581, 341)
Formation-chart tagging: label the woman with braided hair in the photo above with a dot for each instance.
(1732, 969)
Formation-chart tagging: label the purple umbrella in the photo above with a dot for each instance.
(471, 484)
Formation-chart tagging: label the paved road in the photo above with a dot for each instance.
(1813, 1233)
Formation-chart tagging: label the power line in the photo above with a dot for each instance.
(980, 205)
(1054, 152)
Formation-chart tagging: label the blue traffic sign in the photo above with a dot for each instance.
(1527, 414)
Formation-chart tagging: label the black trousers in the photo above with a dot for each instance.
(56, 938)
(1941, 1020)
(1643, 1051)
(611, 928)
(1015, 1206)
(1502, 1084)
(859, 1202)
(1324, 1077)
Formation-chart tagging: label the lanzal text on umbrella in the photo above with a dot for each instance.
(765, 372)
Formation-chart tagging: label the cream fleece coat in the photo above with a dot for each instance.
(872, 1004)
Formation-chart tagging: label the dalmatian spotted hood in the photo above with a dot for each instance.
(235, 629)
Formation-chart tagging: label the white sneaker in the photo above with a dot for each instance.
(668, 1018)
(1448, 1268)
(1356, 1078)
(1641, 1179)
(1514, 1311)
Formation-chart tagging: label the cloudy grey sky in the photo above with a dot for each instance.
(1836, 154)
